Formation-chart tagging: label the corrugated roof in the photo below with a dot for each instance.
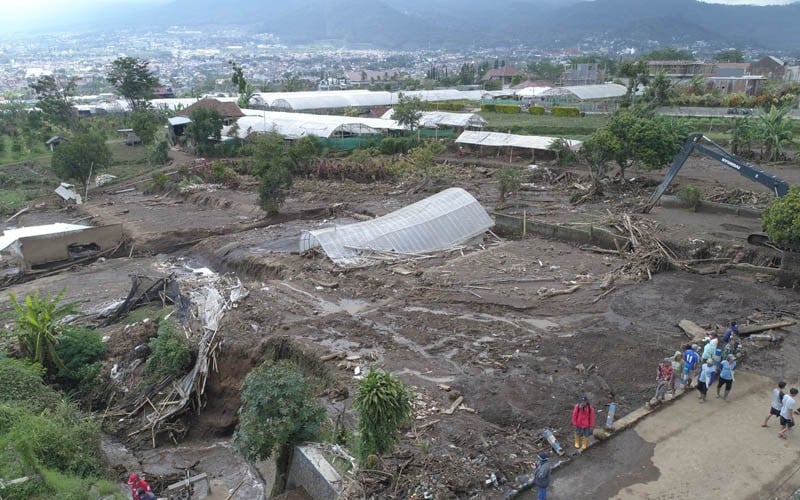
(588, 92)
(497, 139)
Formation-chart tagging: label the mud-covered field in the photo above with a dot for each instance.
(480, 323)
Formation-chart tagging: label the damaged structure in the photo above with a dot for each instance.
(26, 249)
(445, 220)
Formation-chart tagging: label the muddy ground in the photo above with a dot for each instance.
(476, 321)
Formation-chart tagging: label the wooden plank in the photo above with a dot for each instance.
(186, 482)
(455, 405)
(747, 330)
(692, 329)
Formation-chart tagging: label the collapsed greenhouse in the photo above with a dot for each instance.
(448, 219)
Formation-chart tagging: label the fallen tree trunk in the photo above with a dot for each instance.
(747, 330)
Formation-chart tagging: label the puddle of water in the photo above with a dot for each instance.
(326, 307)
(538, 323)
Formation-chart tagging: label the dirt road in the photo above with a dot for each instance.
(690, 450)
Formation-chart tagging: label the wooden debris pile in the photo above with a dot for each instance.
(739, 197)
(206, 299)
(647, 254)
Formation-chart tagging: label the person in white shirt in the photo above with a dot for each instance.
(777, 402)
(787, 412)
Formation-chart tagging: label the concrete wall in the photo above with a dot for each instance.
(312, 472)
(45, 249)
(510, 225)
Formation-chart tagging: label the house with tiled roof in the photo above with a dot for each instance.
(504, 74)
(229, 111)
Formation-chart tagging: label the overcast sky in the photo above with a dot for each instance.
(20, 15)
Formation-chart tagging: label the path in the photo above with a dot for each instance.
(688, 450)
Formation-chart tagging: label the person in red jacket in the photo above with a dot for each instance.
(137, 483)
(583, 422)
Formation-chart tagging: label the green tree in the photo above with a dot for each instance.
(81, 351)
(546, 70)
(508, 180)
(275, 181)
(642, 139)
(741, 132)
(781, 220)
(638, 75)
(146, 124)
(82, 155)
(54, 99)
(599, 149)
(244, 89)
(730, 56)
(170, 355)
(774, 128)
(205, 129)
(384, 405)
(669, 54)
(39, 326)
(133, 80)
(408, 111)
(278, 411)
(660, 91)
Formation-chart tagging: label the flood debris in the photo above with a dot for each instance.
(201, 301)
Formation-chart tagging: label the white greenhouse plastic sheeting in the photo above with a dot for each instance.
(444, 220)
(588, 92)
(337, 99)
(497, 139)
(296, 125)
(435, 119)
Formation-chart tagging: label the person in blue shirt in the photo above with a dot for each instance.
(732, 329)
(690, 360)
(726, 375)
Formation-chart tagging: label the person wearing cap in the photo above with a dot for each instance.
(663, 378)
(690, 361)
(726, 375)
(677, 370)
(704, 380)
(583, 421)
(787, 412)
(137, 483)
(541, 475)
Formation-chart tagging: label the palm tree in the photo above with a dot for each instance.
(741, 132)
(774, 129)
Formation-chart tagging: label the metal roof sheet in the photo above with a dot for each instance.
(497, 139)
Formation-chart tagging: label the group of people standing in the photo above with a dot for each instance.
(716, 363)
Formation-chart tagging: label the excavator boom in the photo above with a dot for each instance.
(702, 144)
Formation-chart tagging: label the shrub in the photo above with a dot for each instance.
(384, 404)
(507, 108)
(489, 107)
(21, 383)
(565, 111)
(278, 409)
(81, 351)
(536, 110)
(781, 220)
(691, 195)
(565, 155)
(158, 153)
(159, 181)
(170, 354)
(508, 180)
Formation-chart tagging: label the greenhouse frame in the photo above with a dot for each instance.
(443, 221)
